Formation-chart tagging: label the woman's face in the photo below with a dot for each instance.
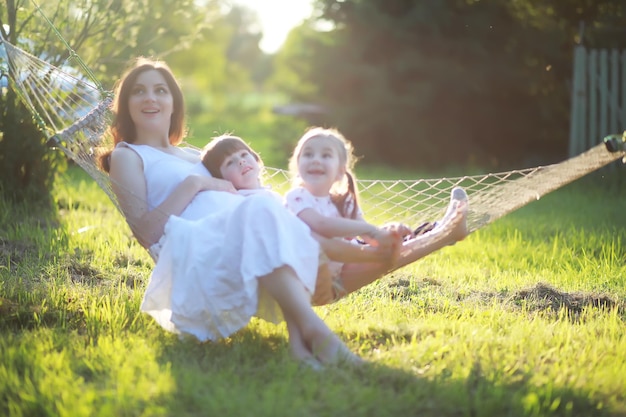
(242, 169)
(151, 104)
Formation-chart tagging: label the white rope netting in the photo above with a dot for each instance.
(75, 115)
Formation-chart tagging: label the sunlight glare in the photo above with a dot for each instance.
(277, 18)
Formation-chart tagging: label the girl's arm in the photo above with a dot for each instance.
(129, 185)
(336, 227)
(341, 250)
(398, 227)
(302, 203)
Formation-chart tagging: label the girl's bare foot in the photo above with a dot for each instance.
(451, 229)
(453, 224)
(458, 196)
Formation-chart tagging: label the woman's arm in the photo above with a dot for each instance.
(128, 183)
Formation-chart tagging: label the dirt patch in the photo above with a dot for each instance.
(545, 297)
(84, 273)
(7, 307)
(13, 253)
(540, 297)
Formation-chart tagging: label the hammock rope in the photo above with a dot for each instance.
(72, 53)
(75, 113)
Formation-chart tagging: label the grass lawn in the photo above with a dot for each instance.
(523, 318)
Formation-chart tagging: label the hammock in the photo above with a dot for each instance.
(74, 112)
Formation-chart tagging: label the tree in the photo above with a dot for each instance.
(223, 74)
(105, 34)
(426, 83)
(26, 166)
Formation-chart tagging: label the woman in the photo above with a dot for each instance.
(245, 257)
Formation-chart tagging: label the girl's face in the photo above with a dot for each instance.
(151, 104)
(242, 169)
(319, 165)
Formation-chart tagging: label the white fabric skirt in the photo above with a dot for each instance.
(205, 282)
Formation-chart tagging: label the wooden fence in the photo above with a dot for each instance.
(598, 97)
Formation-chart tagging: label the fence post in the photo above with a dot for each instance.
(614, 91)
(598, 102)
(604, 94)
(593, 102)
(577, 117)
(623, 102)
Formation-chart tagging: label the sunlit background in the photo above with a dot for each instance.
(277, 18)
(415, 86)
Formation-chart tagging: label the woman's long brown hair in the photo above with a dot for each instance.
(122, 128)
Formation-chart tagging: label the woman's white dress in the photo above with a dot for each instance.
(205, 281)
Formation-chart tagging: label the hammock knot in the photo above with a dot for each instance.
(92, 121)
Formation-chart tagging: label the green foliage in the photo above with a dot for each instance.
(102, 36)
(249, 116)
(294, 63)
(27, 166)
(107, 34)
(441, 82)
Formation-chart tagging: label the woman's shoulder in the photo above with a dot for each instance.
(124, 151)
(124, 156)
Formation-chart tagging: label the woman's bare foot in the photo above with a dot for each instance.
(300, 353)
(330, 350)
(311, 363)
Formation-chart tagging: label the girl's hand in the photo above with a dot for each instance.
(380, 237)
(387, 242)
(400, 228)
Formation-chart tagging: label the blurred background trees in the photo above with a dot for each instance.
(422, 85)
(428, 84)
(105, 34)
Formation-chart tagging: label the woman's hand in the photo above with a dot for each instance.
(204, 183)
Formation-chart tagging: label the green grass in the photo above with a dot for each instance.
(523, 318)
